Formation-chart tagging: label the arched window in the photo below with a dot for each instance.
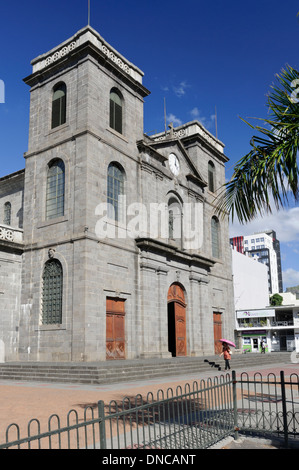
(115, 189)
(215, 231)
(59, 105)
(52, 293)
(116, 110)
(211, 176)
(7, 213)
(55, 190)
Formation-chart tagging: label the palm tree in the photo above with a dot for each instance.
(271, 167)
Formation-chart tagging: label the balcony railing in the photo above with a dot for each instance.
(264, 324)
(282, 323)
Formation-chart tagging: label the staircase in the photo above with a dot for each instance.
(130, 370)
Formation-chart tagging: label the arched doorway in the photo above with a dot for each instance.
(176, 321)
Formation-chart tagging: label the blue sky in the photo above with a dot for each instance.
(197, 55)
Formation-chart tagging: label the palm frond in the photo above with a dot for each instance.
(270, 169)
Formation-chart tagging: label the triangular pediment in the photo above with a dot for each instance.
(162, 149)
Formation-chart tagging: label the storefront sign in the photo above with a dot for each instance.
(255, 313)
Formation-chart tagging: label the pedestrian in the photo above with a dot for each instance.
(263, 346)
(226, 354)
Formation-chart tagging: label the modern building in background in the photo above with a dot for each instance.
(266, 248)
(256, 320)
(278, 326)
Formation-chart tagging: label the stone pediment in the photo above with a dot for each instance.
(164, 148)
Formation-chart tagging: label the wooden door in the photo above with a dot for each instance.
(180, 329)
(217, 332)
(115, 329)
(177, 321)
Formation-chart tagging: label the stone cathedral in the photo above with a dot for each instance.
(110, 247)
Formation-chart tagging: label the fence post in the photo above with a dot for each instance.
(235, 405)
(284, 409)
(101, 410)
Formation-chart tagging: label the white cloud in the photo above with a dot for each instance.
(206, 122)
(284, 222)
(180, 90)
(286, 225)
(195, 112)
(290, 278)
(172, 118)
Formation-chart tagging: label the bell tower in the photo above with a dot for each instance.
(86, 110)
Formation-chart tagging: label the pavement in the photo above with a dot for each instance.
(20, 401)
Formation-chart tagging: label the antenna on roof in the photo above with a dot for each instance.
(88, 12)
(165, 116)
(216, 123)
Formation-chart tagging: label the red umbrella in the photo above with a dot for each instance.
(230, 343)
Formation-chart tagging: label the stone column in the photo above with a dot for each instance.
(206, 318)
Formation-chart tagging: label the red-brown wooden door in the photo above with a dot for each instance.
(115, 329)
(217, 332)
(180, 329)
(177, 320)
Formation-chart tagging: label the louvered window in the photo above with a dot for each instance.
(59, 105)
(116, 106)
(115, 189)
(55, 190)
(52, 293)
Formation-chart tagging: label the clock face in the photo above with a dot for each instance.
(174, 164)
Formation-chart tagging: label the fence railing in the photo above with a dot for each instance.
(269, 406)
(191, 417)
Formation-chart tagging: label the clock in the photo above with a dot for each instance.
(174, 164)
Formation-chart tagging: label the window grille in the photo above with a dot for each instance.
(52, 293)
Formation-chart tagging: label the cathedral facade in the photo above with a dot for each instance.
(110, 247)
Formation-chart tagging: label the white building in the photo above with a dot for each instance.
(256, 320)
(266, 248)
(250, 282)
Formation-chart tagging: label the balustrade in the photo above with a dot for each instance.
(10, 234)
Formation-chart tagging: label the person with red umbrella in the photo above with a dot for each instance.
(226, 352)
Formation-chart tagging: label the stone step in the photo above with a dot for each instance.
(119, 371)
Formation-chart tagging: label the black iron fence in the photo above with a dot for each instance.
(269, 406)
(191, 417)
